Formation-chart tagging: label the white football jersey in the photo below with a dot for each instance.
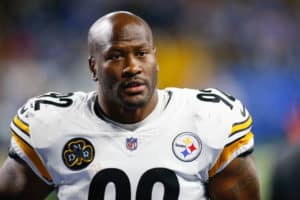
(192, 136)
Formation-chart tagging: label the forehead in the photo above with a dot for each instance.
(121, 35)
(129, 32)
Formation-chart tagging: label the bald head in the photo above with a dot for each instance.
(116, 26)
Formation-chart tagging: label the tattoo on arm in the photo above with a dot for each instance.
(17, 181)
(237, 181)
(245, 181)
(12, 181)
(242, 186)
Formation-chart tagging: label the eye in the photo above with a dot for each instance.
(141, 53)
(113, 57)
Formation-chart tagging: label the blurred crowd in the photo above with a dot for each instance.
(249, 48)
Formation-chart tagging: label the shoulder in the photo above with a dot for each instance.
(35, 127)
(213, 102)
(46, 109)
(52, 102)
(218, 113)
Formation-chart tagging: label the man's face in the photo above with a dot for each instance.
(126, 67)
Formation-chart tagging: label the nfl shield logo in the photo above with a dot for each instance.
(131, 143)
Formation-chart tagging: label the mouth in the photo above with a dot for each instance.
(134, 87)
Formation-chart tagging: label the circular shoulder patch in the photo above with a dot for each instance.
(187, 146)
(78, 153)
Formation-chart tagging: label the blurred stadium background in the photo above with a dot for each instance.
(249, 48)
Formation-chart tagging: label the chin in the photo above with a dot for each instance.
(134, 103)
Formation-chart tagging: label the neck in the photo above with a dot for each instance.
(125, 115)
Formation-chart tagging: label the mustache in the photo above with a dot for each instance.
(133, 81)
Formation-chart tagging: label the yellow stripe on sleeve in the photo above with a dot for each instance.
(228, 151)
(241, 126)
(20, 124)
(32, 155)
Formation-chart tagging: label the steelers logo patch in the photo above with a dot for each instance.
(78, 153)
(187, 146)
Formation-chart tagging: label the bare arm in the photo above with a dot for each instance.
(237, 181)
(18, 181)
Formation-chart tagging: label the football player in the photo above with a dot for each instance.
(130, 140)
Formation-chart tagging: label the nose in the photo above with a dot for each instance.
(131, 67)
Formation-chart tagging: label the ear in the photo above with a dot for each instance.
(157, 65)
(93, 68)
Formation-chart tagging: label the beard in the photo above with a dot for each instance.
(115, 92)
(135, 101)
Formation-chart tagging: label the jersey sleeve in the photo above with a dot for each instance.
(240, 139)
(22, 143)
